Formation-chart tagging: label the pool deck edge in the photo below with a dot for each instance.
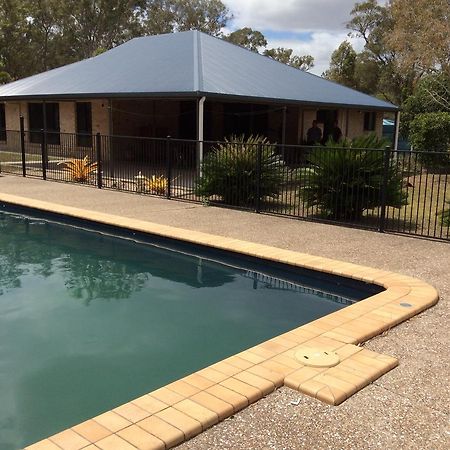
(175, 413)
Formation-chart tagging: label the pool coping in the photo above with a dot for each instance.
(177, 412)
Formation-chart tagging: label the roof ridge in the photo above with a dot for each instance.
(197, 62)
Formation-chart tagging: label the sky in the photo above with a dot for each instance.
(314, 27)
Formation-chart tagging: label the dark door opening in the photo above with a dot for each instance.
(327, 117)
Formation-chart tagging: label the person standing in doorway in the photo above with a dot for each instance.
(336, 132)
(314, 134)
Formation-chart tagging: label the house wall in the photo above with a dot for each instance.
(67, 116)
(159, 118)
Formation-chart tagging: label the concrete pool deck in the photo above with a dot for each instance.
(406, 408)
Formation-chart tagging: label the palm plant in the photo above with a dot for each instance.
(349, 177)
(79, 170)
(238, 174)
(156, 185)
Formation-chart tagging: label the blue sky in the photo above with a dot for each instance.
(314, 27)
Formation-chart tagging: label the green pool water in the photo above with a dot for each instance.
(89, 321)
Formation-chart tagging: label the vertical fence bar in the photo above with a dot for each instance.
(387, 159)
(43, 156)
(22, 146)
(168, 167)
(98, 148)
(258, 177)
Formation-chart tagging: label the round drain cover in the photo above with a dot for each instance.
(315, 357)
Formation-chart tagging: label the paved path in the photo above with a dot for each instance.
(408, 408)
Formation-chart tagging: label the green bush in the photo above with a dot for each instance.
(347, 178)
(429, 134)
(230, 171)
(445, 216)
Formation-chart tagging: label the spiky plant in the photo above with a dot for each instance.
(231, 172)
(347, 178)
(79, 170)
(156, 185)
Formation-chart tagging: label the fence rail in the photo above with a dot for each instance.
(377, 189)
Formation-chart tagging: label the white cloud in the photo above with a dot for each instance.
(321, 46)
(291, 15)
(324, 19)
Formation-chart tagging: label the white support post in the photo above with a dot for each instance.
(397, 129)
(200, 132)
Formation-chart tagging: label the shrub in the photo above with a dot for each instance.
(445, 216)
(347, 178)
(79, 169)
(430, 134)
(230, 171)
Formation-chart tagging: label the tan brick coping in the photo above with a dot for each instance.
(177, 412)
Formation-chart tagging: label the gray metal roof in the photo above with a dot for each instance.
(186, 64)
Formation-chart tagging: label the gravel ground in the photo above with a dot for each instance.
(408, 408)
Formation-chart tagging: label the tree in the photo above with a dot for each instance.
(421, 35)
(90, 25)
(432, 95)
(209, 16)
(246, 37)
(285, 56)
(16, 53)
(430, 135)
(373, 23)
(343, 65)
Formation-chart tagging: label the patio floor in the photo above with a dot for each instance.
(406, 408)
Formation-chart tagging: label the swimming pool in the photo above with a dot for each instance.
(90, 319)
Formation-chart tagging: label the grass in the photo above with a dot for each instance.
(422, 215)
(17, 157)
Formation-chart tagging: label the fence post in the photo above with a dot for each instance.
(258, 177)
(386, 163)
(43, 156)
(98, 148)
(22, 146)
(168, 167)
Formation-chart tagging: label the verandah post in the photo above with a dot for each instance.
(22, 146)
(386, 163)
(98, 148)
(168, 167)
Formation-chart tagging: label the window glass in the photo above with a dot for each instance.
(36, 122)
(84, 124)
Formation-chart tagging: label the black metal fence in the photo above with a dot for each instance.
(378, 189)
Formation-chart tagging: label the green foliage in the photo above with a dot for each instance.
(230, 171)
(430, 133)
(5, 77)
(347, 179)
(342, 65)
(376, 70)
(246, 37)
(285, 56)
(432, 94)
(37, 35)
(445, 216)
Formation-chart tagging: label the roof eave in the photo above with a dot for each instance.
(193, 94)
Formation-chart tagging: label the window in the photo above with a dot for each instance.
(2, 122)
(36, 122)
(84, 124)
(370, 119)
